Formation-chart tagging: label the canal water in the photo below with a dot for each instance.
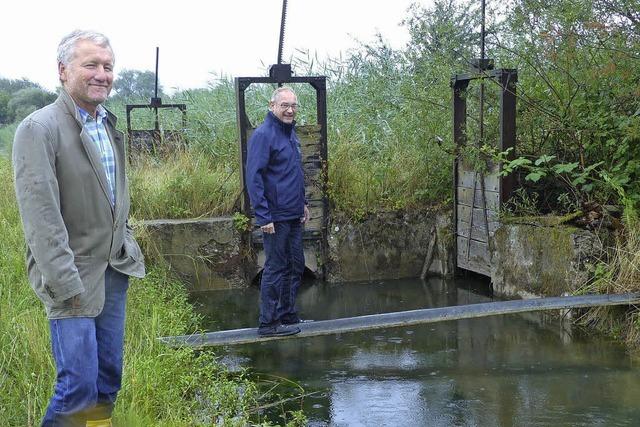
(513, 370)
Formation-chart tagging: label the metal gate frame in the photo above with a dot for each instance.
(139, 138)
(281, 74)
(506, 79)
(136, 137)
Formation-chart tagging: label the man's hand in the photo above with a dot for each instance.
(268, 228)
(306, 215)
(74, 301)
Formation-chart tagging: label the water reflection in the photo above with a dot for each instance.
(515, 370)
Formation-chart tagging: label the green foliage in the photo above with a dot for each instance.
(182, 185)
(13, 85)
(577, 91)
(27, 100)
(241, 222)
(136, 85)
(173, 386)
(577, 179)
(6, 138)
(5, 97)
(522, 204)
(620, 273)
(19, 98)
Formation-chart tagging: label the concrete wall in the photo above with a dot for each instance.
(205, 253)
(390, 246)
(531, 260)
(212, 254)
(528, 260)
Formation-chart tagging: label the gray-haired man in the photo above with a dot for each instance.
(69, 166)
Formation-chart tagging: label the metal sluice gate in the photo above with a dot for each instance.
(157, 139)
(313, 144)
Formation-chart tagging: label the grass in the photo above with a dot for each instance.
(161, 386)
(6, 138)
(619, 274)
(183, 184)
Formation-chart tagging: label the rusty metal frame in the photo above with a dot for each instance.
(280, 74)
(506, 79)
(155, 104)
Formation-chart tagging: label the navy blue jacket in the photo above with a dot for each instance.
(274, 176)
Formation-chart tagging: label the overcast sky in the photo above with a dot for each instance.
(196, 38)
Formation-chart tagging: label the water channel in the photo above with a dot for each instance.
(514, 370)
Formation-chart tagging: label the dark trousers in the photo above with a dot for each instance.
(88, 356)
(282, 273)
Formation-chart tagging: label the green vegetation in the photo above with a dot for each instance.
(18, 98)
(390, 147)
(619, 274)
(210, 187)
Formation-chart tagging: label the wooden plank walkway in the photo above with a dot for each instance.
(404, 318)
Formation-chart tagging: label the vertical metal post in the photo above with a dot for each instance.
(507, 79)
(460, 139)
(242, 120)
(321, 118)
(459, 111)
(155, 97)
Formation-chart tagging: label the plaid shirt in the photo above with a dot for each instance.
(98, 133)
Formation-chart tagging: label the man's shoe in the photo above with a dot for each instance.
(277, 331)
(296, 321)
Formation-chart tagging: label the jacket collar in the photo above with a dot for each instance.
(67, 102)
(287, 127)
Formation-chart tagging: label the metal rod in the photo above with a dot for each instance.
(473, 205)
(481, 68)
(282, 24)
(157, 121)
(405, 318)
(482, 31)
(481, 130)
(157, 60)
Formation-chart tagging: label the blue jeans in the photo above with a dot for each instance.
(88, 356)
(283, 268)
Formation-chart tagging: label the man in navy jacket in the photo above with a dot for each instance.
(275, 182)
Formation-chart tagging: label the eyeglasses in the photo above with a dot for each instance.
(285, 106)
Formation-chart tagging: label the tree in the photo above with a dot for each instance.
(136, 84)
(27, 100)
(20, 97)
(10, 86)
(5, 118)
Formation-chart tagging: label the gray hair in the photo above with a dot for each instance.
(278, 91)
(67, 46)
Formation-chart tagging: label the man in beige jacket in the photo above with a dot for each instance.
(69, 165)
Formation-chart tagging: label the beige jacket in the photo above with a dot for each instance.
(71, 229)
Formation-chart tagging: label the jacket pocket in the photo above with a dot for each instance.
(131, 247)
(288, 197)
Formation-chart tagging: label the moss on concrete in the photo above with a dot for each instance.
(540, 260)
